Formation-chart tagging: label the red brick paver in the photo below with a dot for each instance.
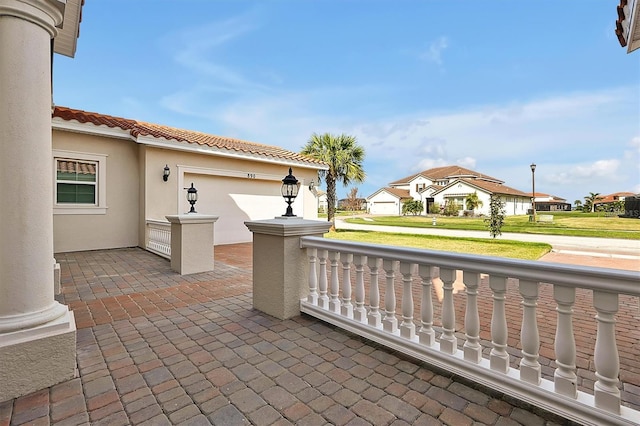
(157, 348)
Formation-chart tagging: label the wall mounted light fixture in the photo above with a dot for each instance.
(166, 173)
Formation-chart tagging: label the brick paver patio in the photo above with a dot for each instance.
(157, 348)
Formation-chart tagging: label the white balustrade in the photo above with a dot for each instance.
(558, 393)
(158, 237)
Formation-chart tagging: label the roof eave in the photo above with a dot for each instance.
(66, 41)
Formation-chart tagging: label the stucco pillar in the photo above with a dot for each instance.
(192, 243)
(37, 334)
(280, 267)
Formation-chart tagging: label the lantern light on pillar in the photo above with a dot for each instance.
(290, 187)
(192, 197)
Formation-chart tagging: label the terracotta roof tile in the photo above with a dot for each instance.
(495, 188)
(140, 128)
(444, 172)
(400, 193)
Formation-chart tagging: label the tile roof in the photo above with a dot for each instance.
(491, 187)
(450, 172)
(616, 196)
(139, 129)
(400, 193)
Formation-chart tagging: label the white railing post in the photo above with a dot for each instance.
(334, 301)
(360, 313)
(606, 359)
(472, 348)
(530, 369)
(565, 379)
(426, 333)
(390, 322)
(499, 357)
(375, 318)
(346, 308)
(313, 277)
(448, 340)
(323, 299)
(407, 327)
(158, 238)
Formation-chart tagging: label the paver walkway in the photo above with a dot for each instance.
(158, 348)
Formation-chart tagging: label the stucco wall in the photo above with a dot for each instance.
(118, 227)
(236, 190)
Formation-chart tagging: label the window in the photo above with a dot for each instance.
(80, 181)
(76, 182)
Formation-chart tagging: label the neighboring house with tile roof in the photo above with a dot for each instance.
(607, 202)
(444, 185)
(109, 180)
(550, 203)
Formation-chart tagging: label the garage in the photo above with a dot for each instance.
(236, 200)
(385, 207)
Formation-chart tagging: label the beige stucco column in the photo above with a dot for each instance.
(37, 334)
(192, 243)
(280, 267)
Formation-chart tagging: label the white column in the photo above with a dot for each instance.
(31, 321)
(448, 340)
(472, 348)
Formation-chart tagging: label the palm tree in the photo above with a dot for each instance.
(590, 201)
(578, 204)
(344, 157)
(473, 201)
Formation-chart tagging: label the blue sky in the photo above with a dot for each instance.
(489, 85)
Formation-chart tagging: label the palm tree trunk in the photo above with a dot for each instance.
(331, 198)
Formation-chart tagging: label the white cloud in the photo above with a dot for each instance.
(435, 50)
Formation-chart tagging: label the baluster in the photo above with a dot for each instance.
(334, 301)
(530, 369)
(565, 378)
(499, 357)
(313, 277)
(448, 340)
(375, 318)
(606, 360)
(390, 322)
(323, 299)
(346, 307)
(360, 313)
(472, 348)
(426, 333)
(407, 327)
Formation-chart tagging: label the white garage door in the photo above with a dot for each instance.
(236, 200)
(384, 207)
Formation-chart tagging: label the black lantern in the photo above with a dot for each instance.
(192, 197)
(290, 187)
(167, 172)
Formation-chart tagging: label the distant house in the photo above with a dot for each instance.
(612, 202)
(550, 203)
(322, 201)
(444, 185)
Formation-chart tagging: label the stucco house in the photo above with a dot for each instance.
(443, 185)
(109, 183)
(550, 203)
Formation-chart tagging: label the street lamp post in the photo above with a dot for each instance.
(533, 193)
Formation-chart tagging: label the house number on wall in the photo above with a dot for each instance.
(251, 175)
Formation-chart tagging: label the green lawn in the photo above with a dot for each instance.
(481, 246)
(564, 223)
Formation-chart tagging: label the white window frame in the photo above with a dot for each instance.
(101, 184)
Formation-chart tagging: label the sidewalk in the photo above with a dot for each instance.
(585, 251)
